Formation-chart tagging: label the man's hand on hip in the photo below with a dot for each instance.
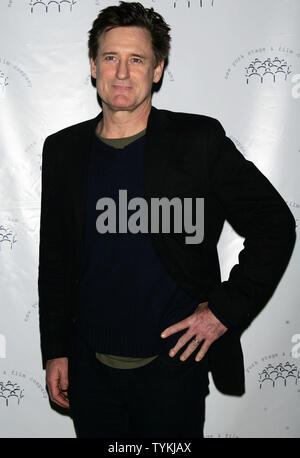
(202, 325)
(58, 381)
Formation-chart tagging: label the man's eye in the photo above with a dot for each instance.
(110, 57)
(136, 60)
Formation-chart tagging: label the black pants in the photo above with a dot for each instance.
(165, 398)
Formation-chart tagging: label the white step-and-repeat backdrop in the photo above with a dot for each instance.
(235, 60)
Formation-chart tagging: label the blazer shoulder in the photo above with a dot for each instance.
(192, 121)
(73, 130)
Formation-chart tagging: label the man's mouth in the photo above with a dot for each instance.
(121, 87)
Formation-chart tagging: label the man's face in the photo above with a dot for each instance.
(125, 68)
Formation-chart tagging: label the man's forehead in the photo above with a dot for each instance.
(131, 34)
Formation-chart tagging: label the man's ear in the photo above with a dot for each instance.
(93, 69)
(158, 71)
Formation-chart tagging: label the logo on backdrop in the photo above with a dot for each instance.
(7, 237)
(10, 393)
(46, 6)
(15, 384)
(282, 374)
(16, 228)
(273, 69)
(275, 371)
(272, 64)
(273, 382)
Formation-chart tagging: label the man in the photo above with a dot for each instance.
(131, 322)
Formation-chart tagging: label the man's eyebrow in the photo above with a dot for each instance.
(115, 53)
(139, 55)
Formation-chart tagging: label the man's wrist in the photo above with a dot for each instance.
(219, 316)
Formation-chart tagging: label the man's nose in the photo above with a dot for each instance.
(122, 70)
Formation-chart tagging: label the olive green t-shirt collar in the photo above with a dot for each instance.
(120, 143)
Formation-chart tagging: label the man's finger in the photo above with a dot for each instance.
(61, 400)
(194, 345)
(56, 395)
(64, 382)
(180, 343)
(175, 328)
(205, 346)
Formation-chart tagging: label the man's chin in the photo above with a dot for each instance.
(121, 106)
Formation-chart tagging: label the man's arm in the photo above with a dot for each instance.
(53, 319)
(257, 211)
(51, 278)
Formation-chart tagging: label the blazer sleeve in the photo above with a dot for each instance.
(53, 316)
(258, 213)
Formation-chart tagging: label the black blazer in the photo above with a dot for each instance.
(186, 155)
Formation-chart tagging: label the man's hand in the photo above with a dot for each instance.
(58, 381)
(203, 325)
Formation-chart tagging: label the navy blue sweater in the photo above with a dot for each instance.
(127, 296)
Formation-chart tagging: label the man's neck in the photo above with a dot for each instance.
(122, 124)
